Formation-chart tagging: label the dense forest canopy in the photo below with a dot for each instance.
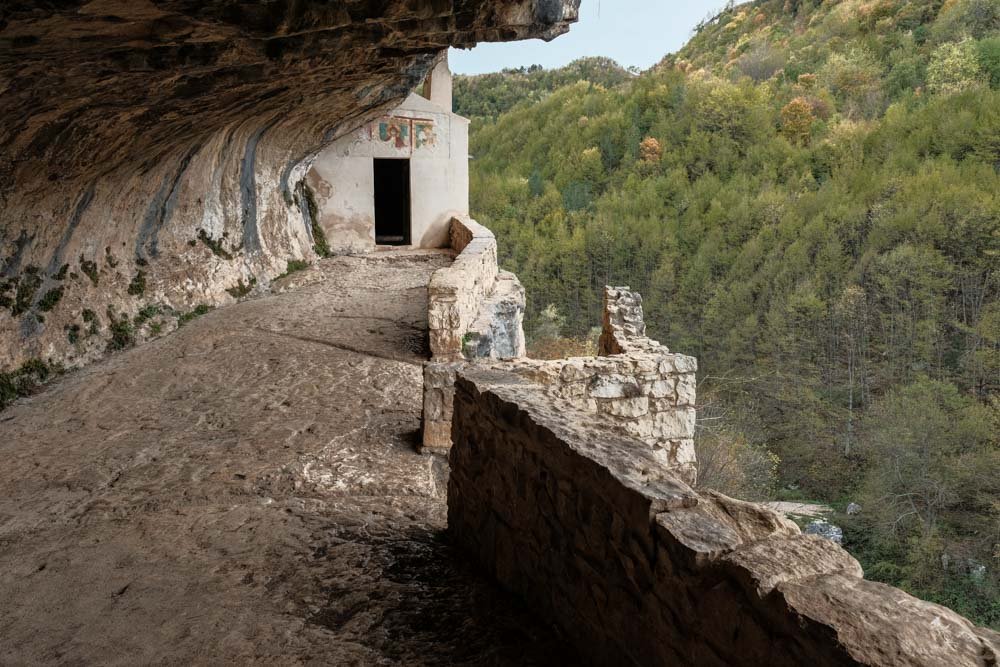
(486, 96)
(808, 197)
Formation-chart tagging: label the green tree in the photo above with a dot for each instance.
(954, 68)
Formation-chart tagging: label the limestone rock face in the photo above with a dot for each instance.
(151, 150)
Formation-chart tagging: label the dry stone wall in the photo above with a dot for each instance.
(636, 568)
(636, 388)
(475, 312)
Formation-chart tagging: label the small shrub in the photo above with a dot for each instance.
(50, 299)
(242, 290)
(293, 266)
(199, 310)
(138, 285)
(27, 286)
(90, 317)
(215, 245)
(320, 244)
(7, 286)
(146, 313)
(61, 274)
(72, 333)
(25, 380)
(89, 269)
(122, 333)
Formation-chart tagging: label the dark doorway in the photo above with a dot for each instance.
(392, 202)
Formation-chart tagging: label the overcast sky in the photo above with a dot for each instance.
(633, 32)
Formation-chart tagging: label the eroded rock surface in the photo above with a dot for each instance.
(245, 491)
(168, 138)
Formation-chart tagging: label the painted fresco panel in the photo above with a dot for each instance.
(392, 137)
(430, 137)
(424, 135)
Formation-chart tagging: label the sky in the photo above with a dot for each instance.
(633, 32)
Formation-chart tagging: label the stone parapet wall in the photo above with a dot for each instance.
(638, 388)
(456, 293)
(475, 312)
(439, 393)
(637, 568)
(623, 329)
(649, 396)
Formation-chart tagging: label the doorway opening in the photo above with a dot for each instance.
(392, 202)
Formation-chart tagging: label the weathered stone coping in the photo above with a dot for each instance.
(637, 568)
(456, 293)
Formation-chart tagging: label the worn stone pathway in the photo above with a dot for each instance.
(245, 491)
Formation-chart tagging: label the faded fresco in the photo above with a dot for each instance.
(357, 143)
(402, 136)
(423, 134)
(395, 131)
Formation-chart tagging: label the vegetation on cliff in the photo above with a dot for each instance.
(808, 197)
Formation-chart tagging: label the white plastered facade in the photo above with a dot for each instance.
(435, 140)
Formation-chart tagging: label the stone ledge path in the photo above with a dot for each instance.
(245, 491)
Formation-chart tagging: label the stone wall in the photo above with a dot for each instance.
(455, 293)
(636, 388)
(636, 568)
(475, 312)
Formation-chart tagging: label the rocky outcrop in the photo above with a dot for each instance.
(637, 568)
(151, 151)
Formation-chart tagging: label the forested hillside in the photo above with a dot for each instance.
(808, 197)
(486, 96)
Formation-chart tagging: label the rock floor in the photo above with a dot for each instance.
(246, 491)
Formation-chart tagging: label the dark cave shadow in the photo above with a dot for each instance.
(445, 611)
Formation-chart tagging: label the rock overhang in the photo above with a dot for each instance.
(77, 75)
(168, 136)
